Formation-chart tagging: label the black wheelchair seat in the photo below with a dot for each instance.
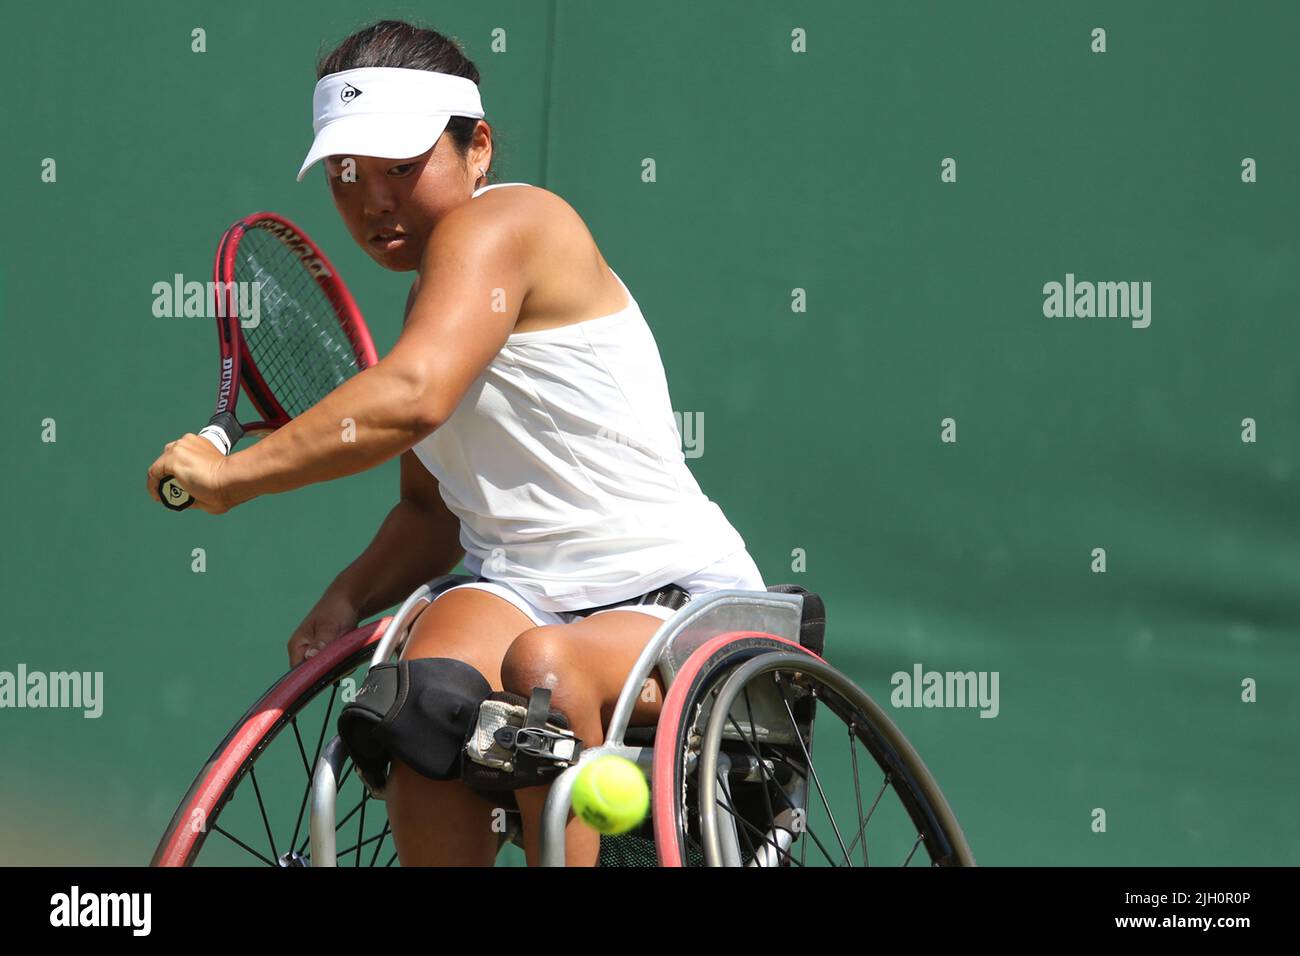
(812, 622)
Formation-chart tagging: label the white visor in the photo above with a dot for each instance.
(389, 112)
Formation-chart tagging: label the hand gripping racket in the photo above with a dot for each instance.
(300, 337)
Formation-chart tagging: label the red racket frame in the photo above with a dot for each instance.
(230, 334)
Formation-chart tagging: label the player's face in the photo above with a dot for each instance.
(390, 206)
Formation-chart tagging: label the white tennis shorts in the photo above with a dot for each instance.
(737, 570)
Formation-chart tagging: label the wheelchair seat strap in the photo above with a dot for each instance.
(669, 596)
(539, 707)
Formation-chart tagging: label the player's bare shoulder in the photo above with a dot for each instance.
(555, 254)
(530, 209)
(527, 219)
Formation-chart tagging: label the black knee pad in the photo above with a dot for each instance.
(420, 711)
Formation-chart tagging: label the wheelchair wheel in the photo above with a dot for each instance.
(746, 782)
(674, 804)
(253, 791)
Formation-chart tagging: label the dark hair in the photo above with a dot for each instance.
(396, 43)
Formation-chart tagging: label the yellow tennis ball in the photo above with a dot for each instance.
(611, 794)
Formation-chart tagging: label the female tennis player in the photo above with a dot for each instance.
(529, 405)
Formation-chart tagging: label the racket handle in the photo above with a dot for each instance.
(223, 431)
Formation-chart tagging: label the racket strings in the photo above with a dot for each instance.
(298, 345)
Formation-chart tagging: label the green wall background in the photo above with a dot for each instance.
(775, 171)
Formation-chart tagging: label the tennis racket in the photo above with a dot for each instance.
(308, 337)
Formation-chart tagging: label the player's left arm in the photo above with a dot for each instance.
(473, 278)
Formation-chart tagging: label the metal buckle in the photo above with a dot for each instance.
(670, 596)
(533, 741)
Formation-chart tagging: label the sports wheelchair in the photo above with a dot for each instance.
(730, 765)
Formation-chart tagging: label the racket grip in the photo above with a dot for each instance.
(223, 431)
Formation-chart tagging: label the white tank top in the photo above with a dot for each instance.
(564, 464)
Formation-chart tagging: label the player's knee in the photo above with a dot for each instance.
(541, 657)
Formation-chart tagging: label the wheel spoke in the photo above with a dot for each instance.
(857, 796)
(356, 848)
(920, 837)
(361, 824)
(374, 856)
(252, 773)
(862, 827)
(238, 842)
(351, 813)
(302, 751)
(306, 792)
